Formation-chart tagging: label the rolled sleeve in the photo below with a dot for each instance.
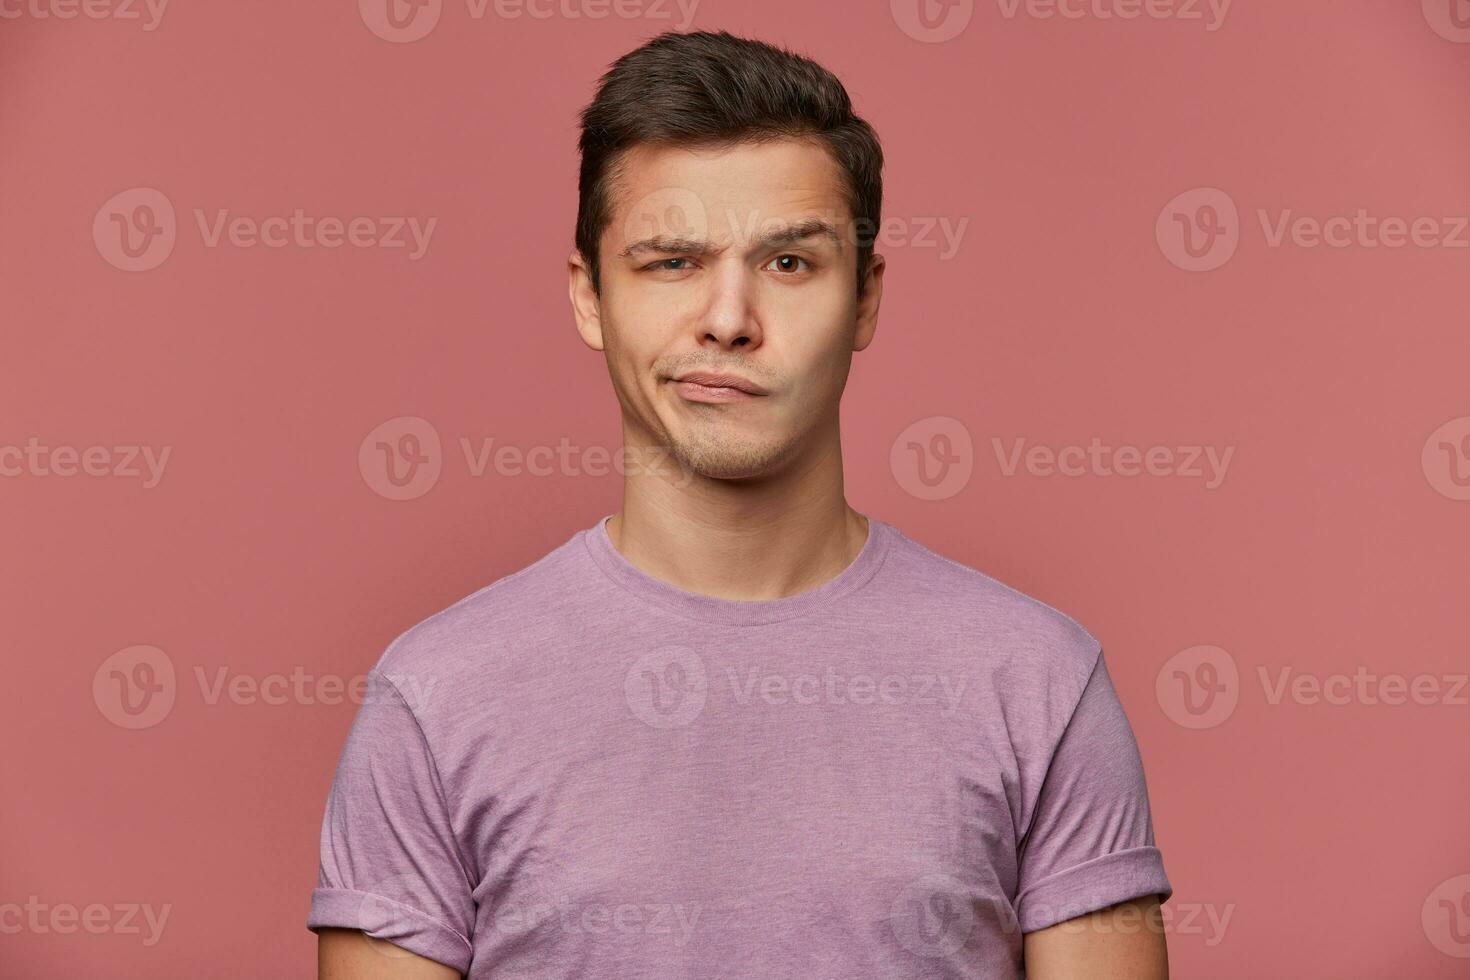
(384, 919)
(390, 863)
(1090, 843)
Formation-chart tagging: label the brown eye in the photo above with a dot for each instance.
(787, 263)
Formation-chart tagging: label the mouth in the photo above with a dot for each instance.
(711, 388)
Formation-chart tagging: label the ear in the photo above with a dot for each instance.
(586, 308)
(868, 300)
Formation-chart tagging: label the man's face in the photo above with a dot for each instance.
(737, 262)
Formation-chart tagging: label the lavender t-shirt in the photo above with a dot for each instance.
(583, 771)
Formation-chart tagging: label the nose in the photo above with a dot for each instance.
(730, 317)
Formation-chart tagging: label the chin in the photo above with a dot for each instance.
(732, 459)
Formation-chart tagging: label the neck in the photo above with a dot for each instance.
(762, 538)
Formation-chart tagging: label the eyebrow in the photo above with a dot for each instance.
(787, 235)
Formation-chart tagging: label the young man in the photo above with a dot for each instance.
(737, 729)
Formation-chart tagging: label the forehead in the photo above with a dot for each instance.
(722, 190)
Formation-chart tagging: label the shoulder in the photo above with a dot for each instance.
(1026, 639)
(469, 636)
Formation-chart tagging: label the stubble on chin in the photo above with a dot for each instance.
(717, 457)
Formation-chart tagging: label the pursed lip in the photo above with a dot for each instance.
(710, 380)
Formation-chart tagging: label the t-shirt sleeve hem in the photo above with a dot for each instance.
(415, 931)
(1092, 885)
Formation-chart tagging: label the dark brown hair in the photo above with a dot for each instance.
(714, 89)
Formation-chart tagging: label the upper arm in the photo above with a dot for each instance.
(349, 954)
(1089, 845)
(391, 869)
(1121, 942)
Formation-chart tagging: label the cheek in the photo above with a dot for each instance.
(821, 307)
(815, 337)
(638, 332)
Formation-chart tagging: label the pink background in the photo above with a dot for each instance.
(1331, 835)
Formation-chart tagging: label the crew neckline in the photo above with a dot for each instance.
(736, 612)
